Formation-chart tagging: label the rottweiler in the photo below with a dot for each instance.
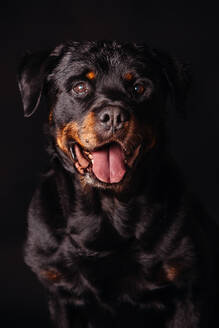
(114, 234)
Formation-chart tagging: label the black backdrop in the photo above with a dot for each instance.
(187, 30)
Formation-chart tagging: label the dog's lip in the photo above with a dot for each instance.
(83, 159)
(87, 152)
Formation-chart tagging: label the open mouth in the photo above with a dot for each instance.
(109, 163)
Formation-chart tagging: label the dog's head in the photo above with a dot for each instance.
(107, 102)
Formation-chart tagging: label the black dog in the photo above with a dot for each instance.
(113, 235)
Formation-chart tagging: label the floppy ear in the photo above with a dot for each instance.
(178, 78)
(31, 77)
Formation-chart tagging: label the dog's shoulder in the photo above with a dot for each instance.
(46, 199)
(46, 214)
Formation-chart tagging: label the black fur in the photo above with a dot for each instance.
(133, 254)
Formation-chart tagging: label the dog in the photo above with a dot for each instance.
(113, 233)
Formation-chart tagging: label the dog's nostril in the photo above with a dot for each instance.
(113, 118)
(118, 119)
(105, 118)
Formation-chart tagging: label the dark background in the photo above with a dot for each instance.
(186, 30)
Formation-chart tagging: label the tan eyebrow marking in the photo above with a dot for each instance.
(128, 76)
(51, 275)
(91, 75)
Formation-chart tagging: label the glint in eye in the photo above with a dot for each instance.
(139, 89)
(80, 88)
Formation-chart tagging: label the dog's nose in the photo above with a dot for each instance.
(113, 118)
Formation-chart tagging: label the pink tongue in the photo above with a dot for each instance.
(108, 164)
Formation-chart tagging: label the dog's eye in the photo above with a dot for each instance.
(139, 89)
(81, 88)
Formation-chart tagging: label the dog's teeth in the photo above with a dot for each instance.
(88, 154)
(72, 153)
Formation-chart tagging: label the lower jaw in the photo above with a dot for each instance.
(124, 187)
(90, 179)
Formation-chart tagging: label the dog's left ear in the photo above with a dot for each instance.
(31, 77)
(177, 76)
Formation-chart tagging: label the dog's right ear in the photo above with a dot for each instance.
(31, 78)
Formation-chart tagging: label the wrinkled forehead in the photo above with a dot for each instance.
(105, 60)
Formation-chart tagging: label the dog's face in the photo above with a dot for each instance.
(106, 105)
